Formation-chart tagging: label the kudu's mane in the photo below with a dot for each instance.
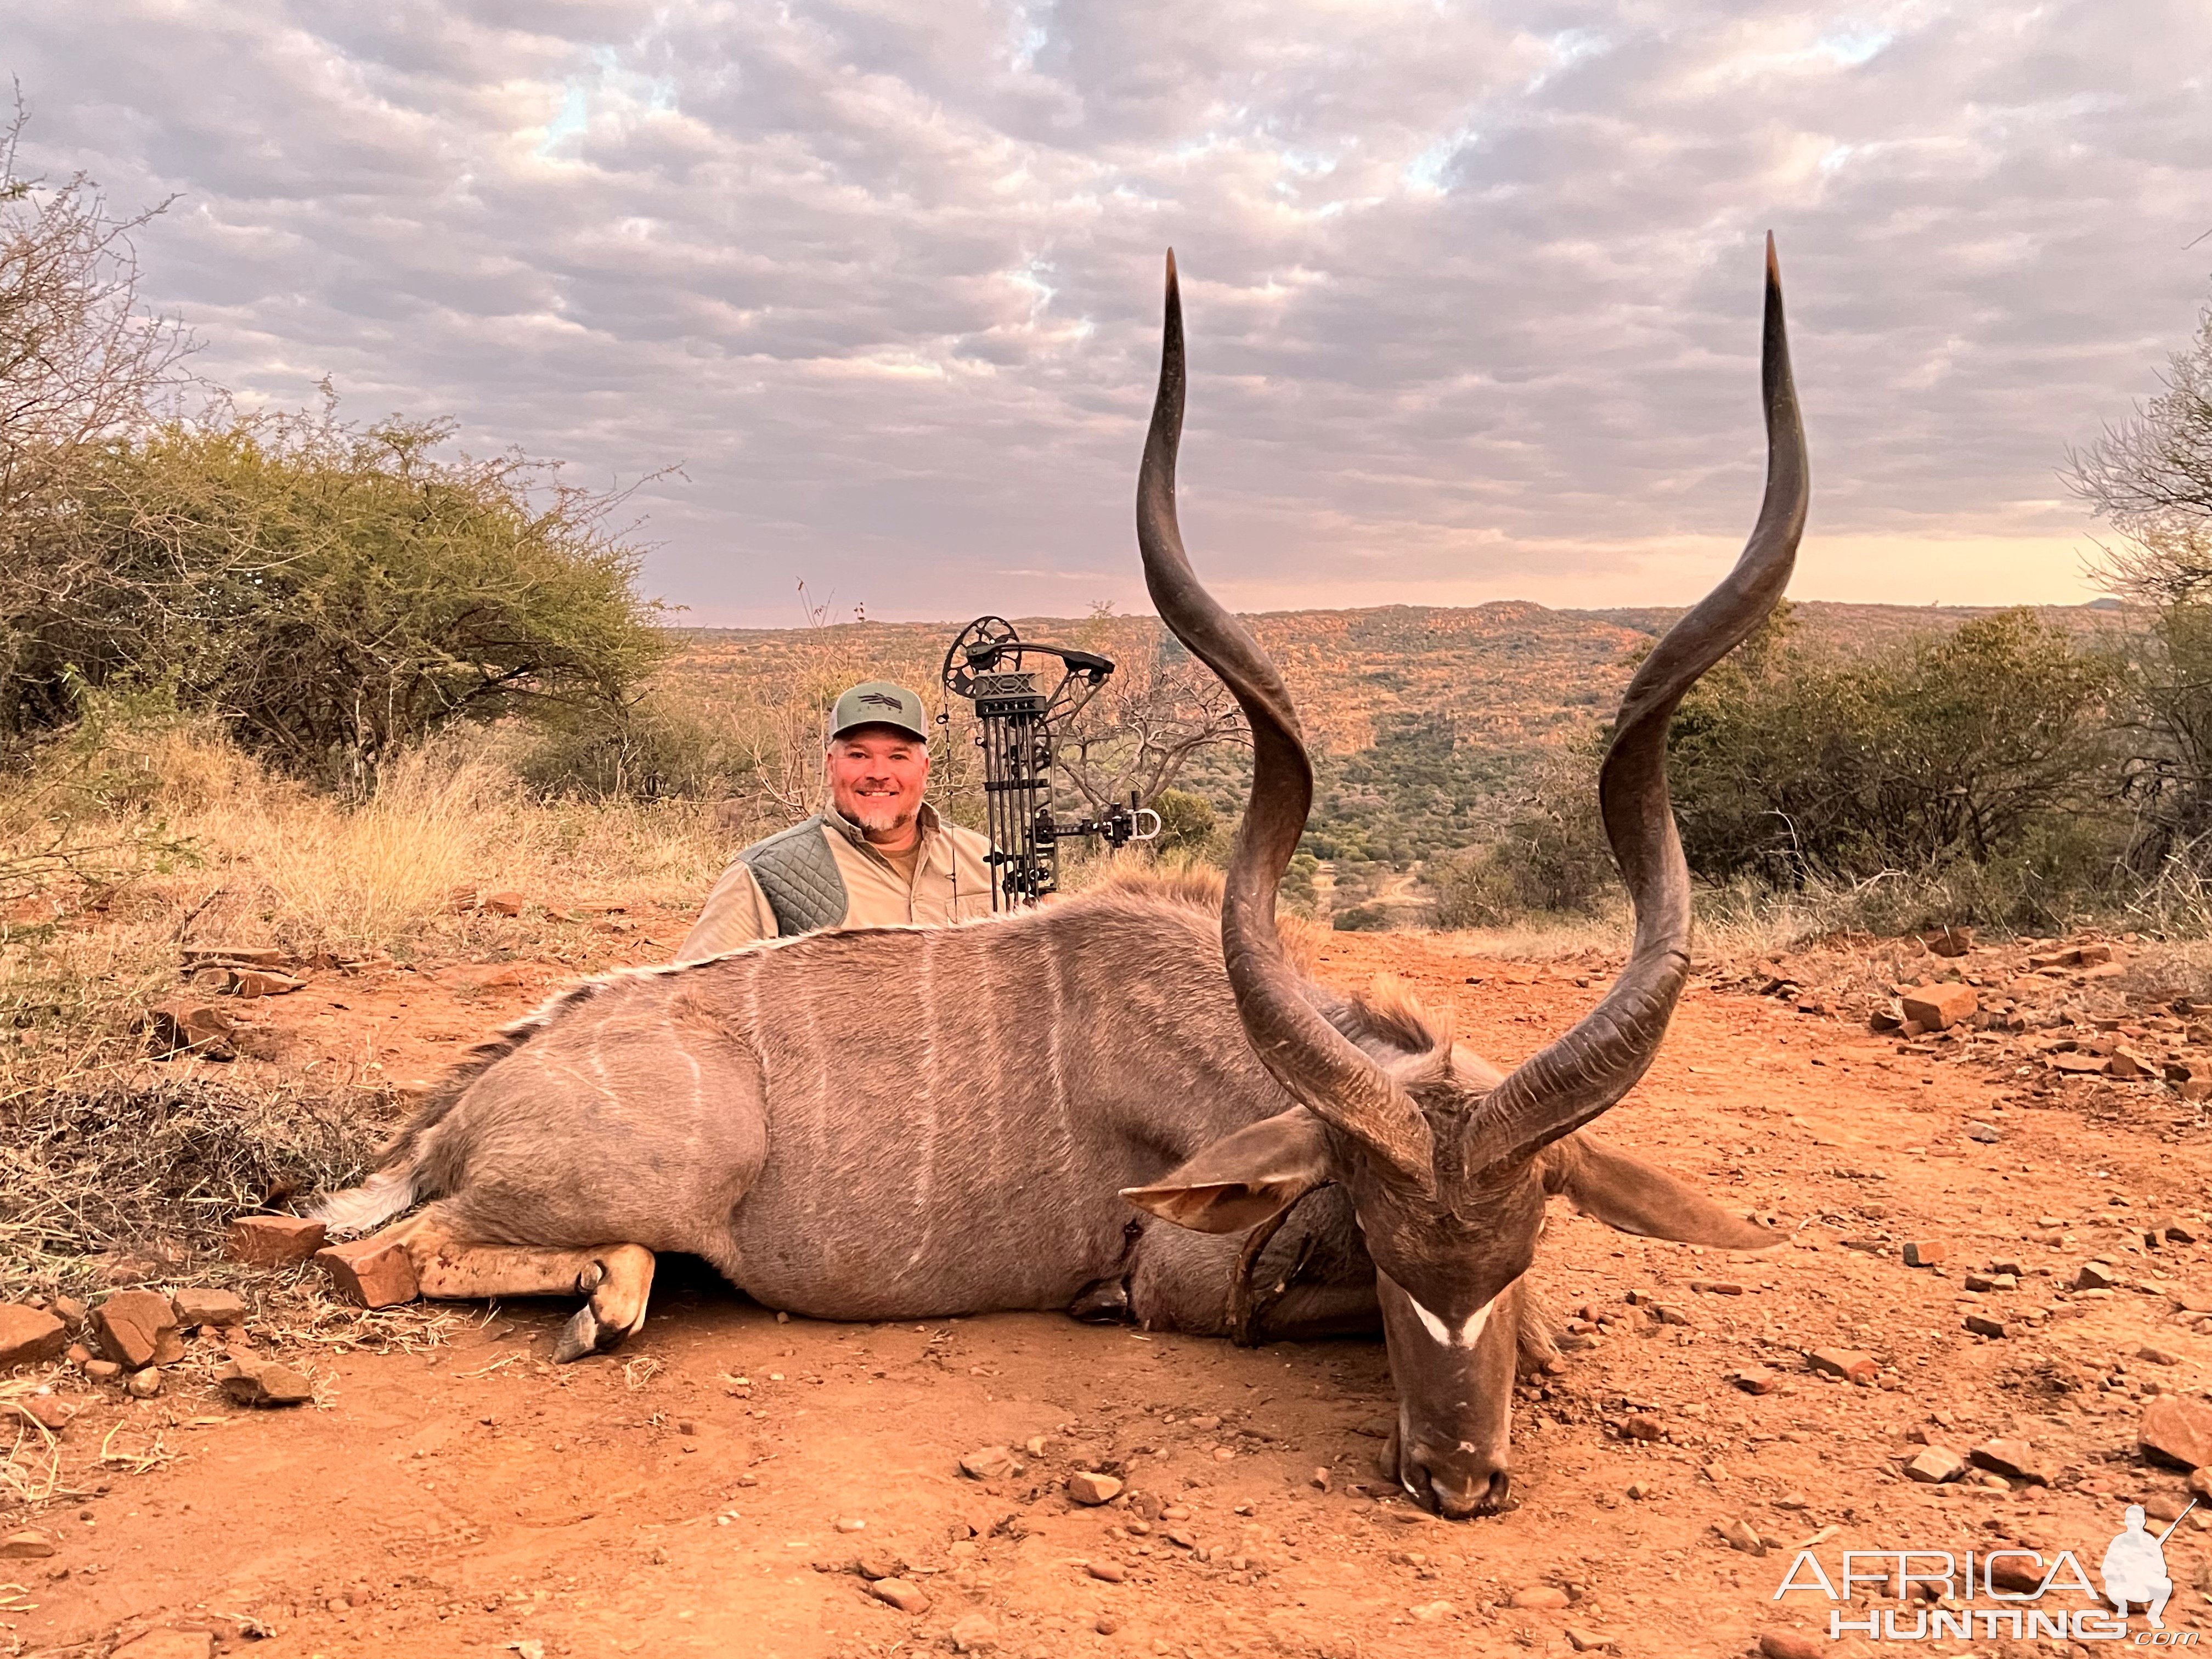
(1386, 1017)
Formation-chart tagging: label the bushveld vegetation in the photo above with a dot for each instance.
(296, 675)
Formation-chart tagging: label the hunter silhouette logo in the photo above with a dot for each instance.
(2133, 1568)
(878, 700)
(2012, 1593)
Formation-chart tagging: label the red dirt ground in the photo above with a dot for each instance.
(701, 1492)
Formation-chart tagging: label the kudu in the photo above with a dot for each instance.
(897, 1123)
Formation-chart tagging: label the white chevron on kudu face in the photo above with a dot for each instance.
(1469, 1331)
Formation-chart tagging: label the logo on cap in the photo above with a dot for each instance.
(882, 701)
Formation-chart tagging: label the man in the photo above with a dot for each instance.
(877, 854)
(2134, 1569)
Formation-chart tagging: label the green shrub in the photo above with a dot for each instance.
(333, 592)
(1189, 828)
(1789, 762)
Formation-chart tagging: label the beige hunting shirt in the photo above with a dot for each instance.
(951, 883)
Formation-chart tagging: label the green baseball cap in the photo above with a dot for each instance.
(878, 702)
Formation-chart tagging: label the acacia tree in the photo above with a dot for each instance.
(2150, 477)
(1141, 728)
(81, 365)
(337, 593)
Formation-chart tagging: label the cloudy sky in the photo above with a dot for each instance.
(1472, 289)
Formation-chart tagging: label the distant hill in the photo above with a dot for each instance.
(1422, 717)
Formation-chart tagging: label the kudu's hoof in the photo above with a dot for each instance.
(582, 1335)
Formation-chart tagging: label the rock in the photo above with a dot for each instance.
(851, 1523)
(137, 1328)
(1107, 1624)
(181, 1027)
(1851, 1366)
(264, 982)
(1087, 1487)
(1716, 1288)
(2178, 1429)
(1948, 941)
(1376, 1428)
(2095, 1276)
(1319, 1480)
(2162, 1508)
(1788, 1645)
(143, 1385)
(1935, 1465)
(26, 1546)
(973, 1634)
(2012, 1572)
(49, 1411)
(1642, 1426)
(1924, 1252)
(1538, 1597)
(1938, 1007)
(504, 902)
(168, 1644)
(1987, 1133)
(988, 1463)
(880, 1564)
(1992, 1282)
(902, 1593)
(252, 1382)
(2200, 1482)
(198, 1307)
(1982, 1325)
(1757, 1379)
(101, 1371)
(1741, 1536)
(70, 1311)
(374, 1272)
(2128, 1065)
(2179, 1232)
(2157, 1356)
(273, 1240)
(29, 1336)
(1640, 1490)
(2090, 956)
(2069, 1061)
(1107, 1572)
(1431, 1612)
(1589, 1641)
(2015, 1459)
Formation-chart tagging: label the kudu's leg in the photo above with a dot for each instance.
(617, 1279)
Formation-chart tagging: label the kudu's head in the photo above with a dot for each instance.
(1448, 1163)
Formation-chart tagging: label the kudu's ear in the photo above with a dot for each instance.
(1632, 1196)
(1242, 1179)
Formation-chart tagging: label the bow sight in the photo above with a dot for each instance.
(987, 664)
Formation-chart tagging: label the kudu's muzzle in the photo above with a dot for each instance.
(1452, 1451)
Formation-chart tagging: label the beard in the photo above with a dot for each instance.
(880, 813)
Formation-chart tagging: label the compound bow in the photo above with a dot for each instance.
(1014, 720)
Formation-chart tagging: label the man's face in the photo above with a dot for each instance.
(877, 776)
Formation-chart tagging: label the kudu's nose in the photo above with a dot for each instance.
(1455, 1481)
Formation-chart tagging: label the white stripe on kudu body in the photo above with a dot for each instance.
(1468, 1332)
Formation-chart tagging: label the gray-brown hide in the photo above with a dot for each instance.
(899, 1123)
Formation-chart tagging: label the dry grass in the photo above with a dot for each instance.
(160, 1162)
(146, 839)
(199, 845)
